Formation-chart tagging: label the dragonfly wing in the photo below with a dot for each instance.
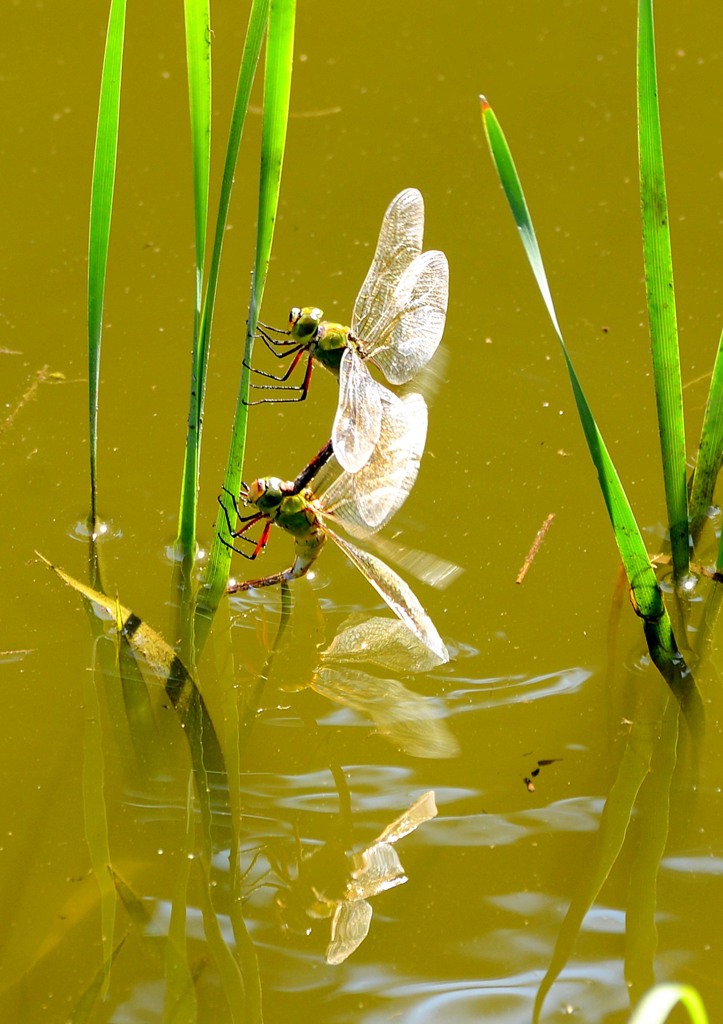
(380, 641)
(382, 485)
(400, 240)
(430, 569)
(376, 869)
(406, 719)
(349, 928)
(395, 592)
(411, 325)
(364, 501)
(358, 421)
(421, 810)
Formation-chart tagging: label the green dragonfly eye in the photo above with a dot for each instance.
(304, 323)
(266, 493)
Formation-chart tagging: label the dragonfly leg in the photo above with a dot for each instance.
(296, 352)
(237, 510)
(302, 388)
(274, 344)
(262, 328)
(248, 522)
(259, 545)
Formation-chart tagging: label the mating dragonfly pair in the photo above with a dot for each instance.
(378, 436)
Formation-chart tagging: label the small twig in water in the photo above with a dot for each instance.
(535, 547)
(42, 376)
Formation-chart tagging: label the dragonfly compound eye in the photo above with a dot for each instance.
(266, 493)
(304, 323)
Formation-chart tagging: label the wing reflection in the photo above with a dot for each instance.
(333, 883)
(406, 719)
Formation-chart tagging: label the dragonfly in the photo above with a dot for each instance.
(359, 503)
(373, 870)
(397, 324)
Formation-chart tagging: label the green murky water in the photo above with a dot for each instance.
(385, 96)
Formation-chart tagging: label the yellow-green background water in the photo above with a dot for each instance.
(384, 96)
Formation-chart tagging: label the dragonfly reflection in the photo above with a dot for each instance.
(336, 884)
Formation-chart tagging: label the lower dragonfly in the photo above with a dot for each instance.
(360, 503)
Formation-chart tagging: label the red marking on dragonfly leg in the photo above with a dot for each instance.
(262, 541)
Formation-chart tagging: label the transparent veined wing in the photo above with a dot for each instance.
(382, 485)
(400, 240)
(406, 719)
(358, 421)
(367, 499)
(380, 641)
(395, 592)
(376, 869)
(410, 324)
(421, 810)
(430, 569)
(349, 928)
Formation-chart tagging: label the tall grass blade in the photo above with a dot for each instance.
(657, 1005)
(198, 62)
(277, 88)
(645, 591)
(710, 450)
(101, 205)
(189, 490)
(661, 294)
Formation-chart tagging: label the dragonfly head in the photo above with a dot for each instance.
(266, 493)
(304, 323)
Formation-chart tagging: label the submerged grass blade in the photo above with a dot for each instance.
(277, 88)
(96, 817)
(661, 294)
(652, 815)
(614, 824)
(645, 590)
(101, 206)
(181, 1003)
(247, 72)
(710, 450)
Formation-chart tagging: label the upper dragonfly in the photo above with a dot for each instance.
(397, 324)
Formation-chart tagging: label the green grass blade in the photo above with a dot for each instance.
(198, 62)
(277, 88)
(249, 62)
(648, 599)
(657, 1005)
(710, 450)
(661, 294)
(101, 206)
